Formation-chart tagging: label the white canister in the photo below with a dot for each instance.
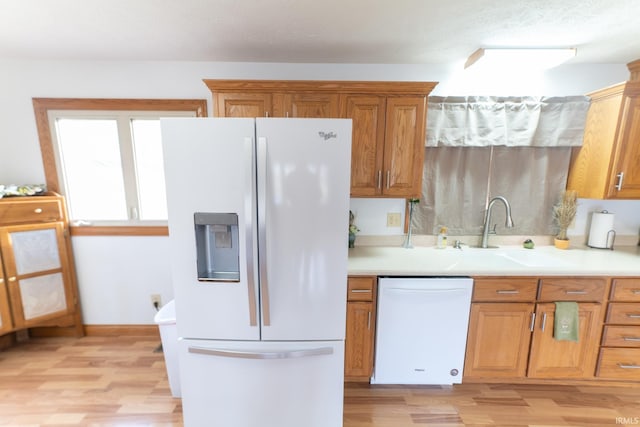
(602, 234)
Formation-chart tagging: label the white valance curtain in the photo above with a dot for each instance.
(480, 121)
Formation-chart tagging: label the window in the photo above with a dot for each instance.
(107, 160)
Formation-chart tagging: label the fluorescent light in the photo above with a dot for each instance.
(536, 58)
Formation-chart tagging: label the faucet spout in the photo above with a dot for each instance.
(487, 219)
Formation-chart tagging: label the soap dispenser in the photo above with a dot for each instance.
(442, 238)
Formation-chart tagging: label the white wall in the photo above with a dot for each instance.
(118, 274)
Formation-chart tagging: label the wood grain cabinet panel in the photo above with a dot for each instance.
(243, 104)
(309, 105)
(513, 289)
(498, 341)
(621, 336)
(626, 289)
(619, 363)
(607, 166)
(551, 358)
(621, 313)
(360, 328)
(573, 289)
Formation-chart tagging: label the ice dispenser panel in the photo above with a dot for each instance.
(217, 246)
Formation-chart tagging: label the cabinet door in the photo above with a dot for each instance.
(243, 105)
(35, 261)
(628, 159)
(309, 105)
(5, 313)
(358, 357)
(404, 146)
(550, 358)
(498, 341)
(367, 143)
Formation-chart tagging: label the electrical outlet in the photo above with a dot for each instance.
(156, 300)
(393, 219)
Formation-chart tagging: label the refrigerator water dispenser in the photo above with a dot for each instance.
(217, 246)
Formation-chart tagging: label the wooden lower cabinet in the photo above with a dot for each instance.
(360, 329)
(498, 342)
(550, 358)
(511, 329)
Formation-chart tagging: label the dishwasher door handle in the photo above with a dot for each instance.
(426, 291)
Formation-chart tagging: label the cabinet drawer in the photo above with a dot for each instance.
(503, 289)
(568, 289)
(623, 313)
(626, 290)
(29, 211)
(360, 289)
(622, 363)
(621, 336)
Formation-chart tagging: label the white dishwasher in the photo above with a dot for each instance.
(421, 331)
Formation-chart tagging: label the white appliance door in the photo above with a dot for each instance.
(303, 215)
(421, 330)
(209, 167)
(262, 384)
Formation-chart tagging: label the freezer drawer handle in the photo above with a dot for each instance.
(294, 354)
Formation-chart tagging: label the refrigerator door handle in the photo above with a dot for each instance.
(262, 229)
(249, 197)
(291, 354)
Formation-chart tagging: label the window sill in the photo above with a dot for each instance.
(159, 230)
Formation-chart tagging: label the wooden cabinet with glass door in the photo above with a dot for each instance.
(39, 280)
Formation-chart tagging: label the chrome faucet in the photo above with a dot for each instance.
(487, 219)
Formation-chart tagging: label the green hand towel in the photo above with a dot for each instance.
(566, 321)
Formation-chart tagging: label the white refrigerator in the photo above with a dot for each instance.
(258, 230)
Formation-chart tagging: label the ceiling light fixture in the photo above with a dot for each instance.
(537, 58)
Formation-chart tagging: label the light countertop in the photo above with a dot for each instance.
(502, 261)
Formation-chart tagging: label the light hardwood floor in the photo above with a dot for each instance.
(121, 381)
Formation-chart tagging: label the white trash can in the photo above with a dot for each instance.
(165, 318)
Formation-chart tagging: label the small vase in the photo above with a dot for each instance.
(561, 244)
(352, 240)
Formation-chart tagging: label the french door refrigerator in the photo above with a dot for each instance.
(258, 224)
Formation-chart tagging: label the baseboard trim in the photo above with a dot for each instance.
(122, 330)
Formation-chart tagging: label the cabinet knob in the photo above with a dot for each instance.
(37, 210)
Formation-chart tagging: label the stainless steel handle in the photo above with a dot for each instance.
(250, 220)
(388, 179)
(625, 366)
(1, 280)
(633, 339)
(544, 321)
(533, 322)
(575, 292)
(620, 177)
(629, 315)
(369, 320)
(266, 114)
(636, 291)
(505, 291)
(361, 291)
(37, 210)
(379, 179)
(262, 228)
(262, 355)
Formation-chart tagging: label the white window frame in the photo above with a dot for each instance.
(123, 120)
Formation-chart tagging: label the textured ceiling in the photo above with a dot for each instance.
(320, 31)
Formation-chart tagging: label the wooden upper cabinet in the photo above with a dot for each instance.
(607, 166)
(243, 105)
(404, 146)
(367, 143)
(389, 120)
